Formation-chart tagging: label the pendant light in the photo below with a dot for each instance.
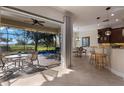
(108, 32)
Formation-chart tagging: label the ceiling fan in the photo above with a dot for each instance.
(32, 21)
(36, 22)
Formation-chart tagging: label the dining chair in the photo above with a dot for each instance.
(75, 51)
(84, 51)
(80, 50)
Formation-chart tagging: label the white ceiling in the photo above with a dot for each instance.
(86, 15)
(27, 19)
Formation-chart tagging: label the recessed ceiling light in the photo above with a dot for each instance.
(98, 17)
(116, 20)
(108, 8)
(112, 14)
(98, 24)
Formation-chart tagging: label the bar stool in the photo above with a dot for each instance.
(100, 60)
(92, 57)
(100, 56)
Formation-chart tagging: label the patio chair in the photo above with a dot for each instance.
(5, 72)
(33, 57)
(2, 64)
(6, 63)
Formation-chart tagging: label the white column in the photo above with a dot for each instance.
(67, 32)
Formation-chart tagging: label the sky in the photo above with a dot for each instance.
(11, 31)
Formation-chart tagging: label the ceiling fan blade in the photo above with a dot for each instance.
(41, 21)
(37, 21)
(24, 19)
(40, 24)
(33, 23)
(106, 20)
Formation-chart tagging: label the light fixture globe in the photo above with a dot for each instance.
(108, 33)
(108, 30)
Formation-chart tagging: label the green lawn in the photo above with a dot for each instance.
(28, 47)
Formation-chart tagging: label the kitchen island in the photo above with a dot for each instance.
(117, 61)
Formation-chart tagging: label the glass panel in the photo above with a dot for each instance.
(15, 31)
(3, 30)
(16, 40)
(3, 42)
(30, 45)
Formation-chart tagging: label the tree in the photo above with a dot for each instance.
(42, 38)
(48, 39)
(21, 42)
(4, 39)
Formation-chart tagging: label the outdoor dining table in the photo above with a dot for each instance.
(19, 57)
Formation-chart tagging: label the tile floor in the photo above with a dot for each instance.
(81, 74)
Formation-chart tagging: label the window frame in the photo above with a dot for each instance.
(84, 44)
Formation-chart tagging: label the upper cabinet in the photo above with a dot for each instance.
(114, 37)
(102, 37)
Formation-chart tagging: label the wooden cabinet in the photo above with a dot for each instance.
(102, 37)
(115, 37)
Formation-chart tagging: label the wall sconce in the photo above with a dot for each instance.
(123, 32)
